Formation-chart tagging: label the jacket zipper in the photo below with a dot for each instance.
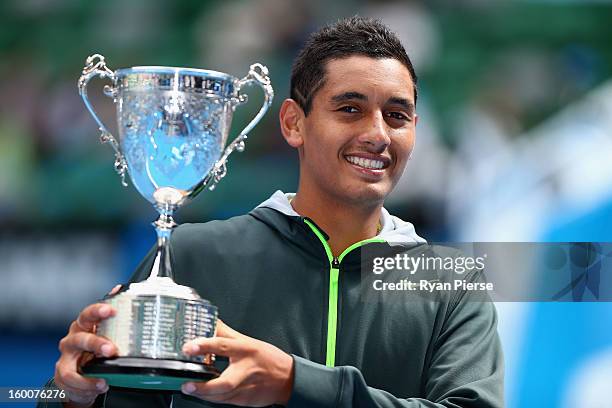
(332, 311)
(332, 303)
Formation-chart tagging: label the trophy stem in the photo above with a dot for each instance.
(162, 267)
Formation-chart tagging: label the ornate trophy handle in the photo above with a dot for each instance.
(96, 66)
(258, 74)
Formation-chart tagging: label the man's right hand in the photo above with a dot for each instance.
(80, 345)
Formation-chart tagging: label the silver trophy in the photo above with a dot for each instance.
(173, 128)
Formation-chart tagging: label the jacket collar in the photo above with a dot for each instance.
(394, 230)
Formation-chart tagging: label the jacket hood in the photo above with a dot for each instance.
(394, 229)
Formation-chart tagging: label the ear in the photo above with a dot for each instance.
(292, 122)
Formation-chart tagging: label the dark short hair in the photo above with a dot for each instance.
(347, 37)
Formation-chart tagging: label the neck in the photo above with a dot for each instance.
(345, 224)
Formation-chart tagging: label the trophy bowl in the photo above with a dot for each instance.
(173, 126)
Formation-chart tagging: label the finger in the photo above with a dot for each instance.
(115, 289)
(223, 330)
(229, 382)
(191, 389)
(84, 341)
(205, 390)
(243, 396)
(80, 397)
(199, 389)
(66, 377)
(74, 328)
(93, 314)
(83, 385)
(215, 345)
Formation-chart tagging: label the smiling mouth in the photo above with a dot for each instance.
(370, 164)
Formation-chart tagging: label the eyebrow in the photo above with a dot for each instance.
(347, 96)
(351, 95)
(403, 102)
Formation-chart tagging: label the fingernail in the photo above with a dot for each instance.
(101, 385)
(107, 350)
(188, 388)
(104, 311)
(190, 349)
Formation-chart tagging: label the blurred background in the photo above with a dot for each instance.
(514, 143)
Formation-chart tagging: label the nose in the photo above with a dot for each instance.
(375, 135)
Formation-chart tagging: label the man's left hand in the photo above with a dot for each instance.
(259, 374)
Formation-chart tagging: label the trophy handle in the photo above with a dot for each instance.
(258, 74)
(96, 66)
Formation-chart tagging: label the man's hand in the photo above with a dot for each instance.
(259, 374)
(78, 347)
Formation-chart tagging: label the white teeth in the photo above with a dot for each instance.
(366, 163)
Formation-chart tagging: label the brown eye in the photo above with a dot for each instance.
(399, 116)
(348, 109)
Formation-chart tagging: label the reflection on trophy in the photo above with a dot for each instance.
(173, 127)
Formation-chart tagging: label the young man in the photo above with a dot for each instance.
(286, 276)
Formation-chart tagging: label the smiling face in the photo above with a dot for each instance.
(358, 136)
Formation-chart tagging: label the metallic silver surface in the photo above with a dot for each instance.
(96, 66)
(173, 125)
(211, 83)
(160, 285)
(258, 74)
(158, 325)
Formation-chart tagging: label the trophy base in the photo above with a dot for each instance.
(148, 373)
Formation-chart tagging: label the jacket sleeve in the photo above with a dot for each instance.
(466, 368)
(50, 385)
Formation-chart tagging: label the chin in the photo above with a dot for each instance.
(369, 194)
